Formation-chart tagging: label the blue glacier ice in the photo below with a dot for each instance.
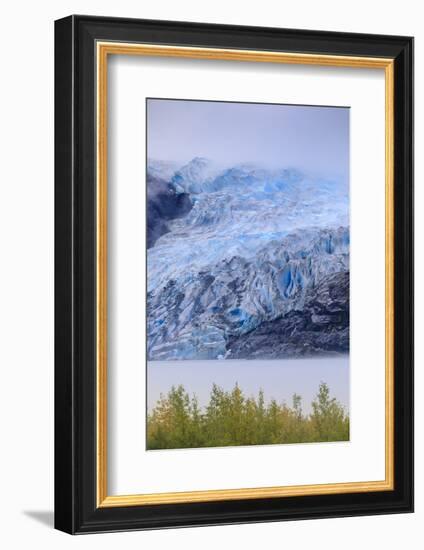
(250, 250)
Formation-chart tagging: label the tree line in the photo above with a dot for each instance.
(230, 418)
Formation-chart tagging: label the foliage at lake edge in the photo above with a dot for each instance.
(231, 419)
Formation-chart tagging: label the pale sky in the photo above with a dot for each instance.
(312, 139)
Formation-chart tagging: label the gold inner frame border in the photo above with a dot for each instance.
(103, 50)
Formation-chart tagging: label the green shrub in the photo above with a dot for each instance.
(230, 418)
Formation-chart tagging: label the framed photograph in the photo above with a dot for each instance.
(234, 274)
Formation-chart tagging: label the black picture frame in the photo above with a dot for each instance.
(76, 509)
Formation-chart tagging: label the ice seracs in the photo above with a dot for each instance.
(253, 245)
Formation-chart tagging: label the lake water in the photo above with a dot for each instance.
(279, 379)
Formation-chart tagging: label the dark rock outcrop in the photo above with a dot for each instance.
(163, 204)
(320, 328)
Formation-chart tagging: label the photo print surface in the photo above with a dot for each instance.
(247, 274)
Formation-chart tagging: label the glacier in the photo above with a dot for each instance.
(245, 262)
